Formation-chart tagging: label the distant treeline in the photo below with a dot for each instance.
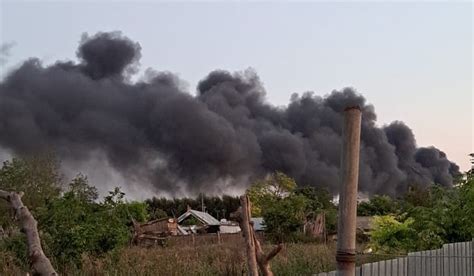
(218, 207)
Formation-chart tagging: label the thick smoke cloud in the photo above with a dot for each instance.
(154, 133)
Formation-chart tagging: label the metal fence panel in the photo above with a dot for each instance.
(454, 259)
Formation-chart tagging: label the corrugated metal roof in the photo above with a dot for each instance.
(258, 224)
(203, 217)
(182, 231)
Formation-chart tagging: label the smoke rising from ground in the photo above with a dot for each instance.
(159, 136)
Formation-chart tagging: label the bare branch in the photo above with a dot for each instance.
(40, 264)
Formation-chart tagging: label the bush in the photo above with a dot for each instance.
(392, 236)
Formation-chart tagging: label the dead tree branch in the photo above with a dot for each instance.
(39, 263)
(255, 253)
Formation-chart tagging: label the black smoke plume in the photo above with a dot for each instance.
(224, 137)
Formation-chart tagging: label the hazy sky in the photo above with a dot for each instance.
(413, 61)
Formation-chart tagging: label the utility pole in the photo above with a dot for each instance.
(202, 203)
(346, 230)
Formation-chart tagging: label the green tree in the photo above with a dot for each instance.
(38, 177)
(392, 236)
(264, 192)
(319, 201)
(75, 223)
(81, 189)
(158, 214)
(282, 209)
(284, 217)
(378, 205)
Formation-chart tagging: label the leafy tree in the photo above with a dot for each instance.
(378, 205)
(264, 192)
(38, 177)
(392, 236)
(81, 189)
(75, 223)
(115, 197)
(158, 214)
(439, 215)
(219, 207)
(284, 217)
(319, 201)
(282, 209)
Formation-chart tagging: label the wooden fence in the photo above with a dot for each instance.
(453, 259)
(206, 239)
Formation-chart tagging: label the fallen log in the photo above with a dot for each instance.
(39, 263)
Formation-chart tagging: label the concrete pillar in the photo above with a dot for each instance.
(346, 230)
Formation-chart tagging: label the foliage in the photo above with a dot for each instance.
(16, 246)
(436, 216)
(377, 206)
(158, 214)
(264, 192)
(191, 221)
(392, 236)
(76, 224)
(319, 201)
(466, 206)
(71, 224)
(219, 207)
(37, 177)
(283, 217)
(82, 190)
(282, 209)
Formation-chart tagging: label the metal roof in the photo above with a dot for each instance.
(205, 218)
(258, 224)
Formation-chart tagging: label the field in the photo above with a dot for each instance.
(185, 259)
(207, 259)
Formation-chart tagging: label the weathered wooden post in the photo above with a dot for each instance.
(346, 230)
(248, 234)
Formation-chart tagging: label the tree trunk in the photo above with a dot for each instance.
(248, 235)
(39, 263)
(255, 254)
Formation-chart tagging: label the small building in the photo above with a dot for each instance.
(194, 221)
(229, 227)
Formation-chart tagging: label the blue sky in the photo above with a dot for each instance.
(413, 61)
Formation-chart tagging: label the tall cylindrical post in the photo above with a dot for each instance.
(346, 230)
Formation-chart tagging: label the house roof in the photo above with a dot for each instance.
(204, 218)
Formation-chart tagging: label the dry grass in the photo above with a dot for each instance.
(210, 259)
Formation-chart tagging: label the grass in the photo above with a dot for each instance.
(210, 259)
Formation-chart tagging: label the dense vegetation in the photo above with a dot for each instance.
(82, 232)
(219, 207)
(285, 207)
(72, 221)
(424, 218)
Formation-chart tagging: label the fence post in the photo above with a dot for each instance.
(345, 255)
